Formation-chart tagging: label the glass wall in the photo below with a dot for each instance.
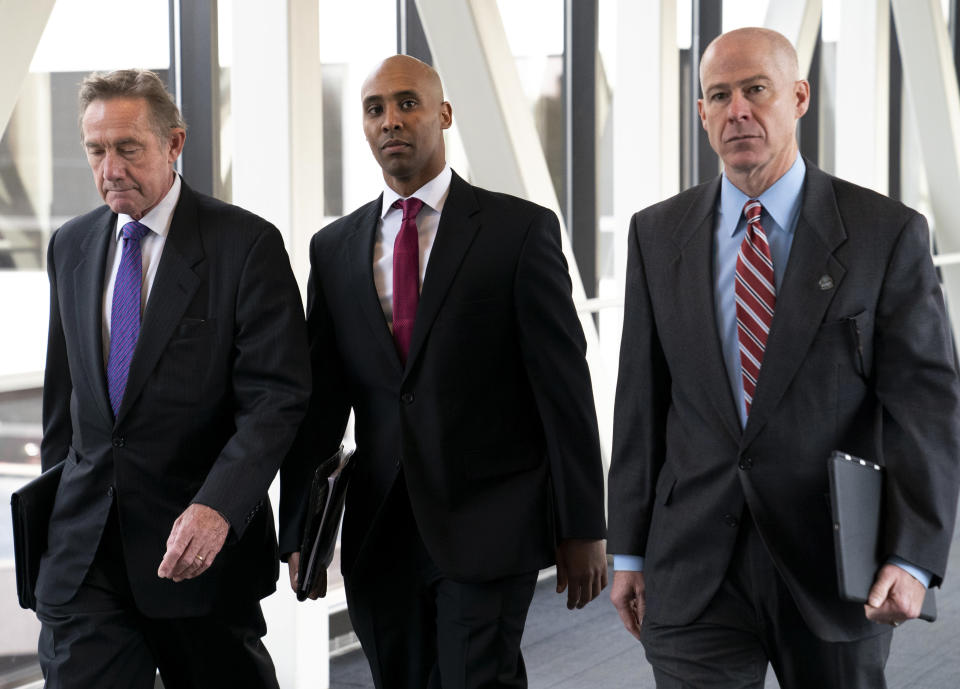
(44, 181)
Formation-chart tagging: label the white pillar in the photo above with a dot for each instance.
(863, 90)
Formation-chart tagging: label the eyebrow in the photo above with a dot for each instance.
(742, 82)
(120, 142)
(396, 95)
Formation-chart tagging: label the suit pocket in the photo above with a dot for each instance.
(500, 460)
(190, 328)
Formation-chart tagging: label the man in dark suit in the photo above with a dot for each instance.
(478, 460)
(162, 541)
(719, 513)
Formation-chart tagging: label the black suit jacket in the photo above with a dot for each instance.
(859, 358)
(217, 386)
(492, 419)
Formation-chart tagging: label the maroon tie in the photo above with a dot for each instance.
(406, 275)
(756, 299)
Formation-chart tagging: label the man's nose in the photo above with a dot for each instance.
(392, 118)
(113, 166)
(738, 108)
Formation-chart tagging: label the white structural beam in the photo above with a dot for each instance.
(306, 132)
(277, 162)
(479, 72)
(930, 82)
(21, 25)
(863, 93)
(799, 21)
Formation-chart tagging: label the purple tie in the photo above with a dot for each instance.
(125, 313)
(406, 275)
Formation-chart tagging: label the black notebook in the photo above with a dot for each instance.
(856, 494)
(327, 494)
(31, 507)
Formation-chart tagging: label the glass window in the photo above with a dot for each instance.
(45, 181)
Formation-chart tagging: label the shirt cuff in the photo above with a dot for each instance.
(628, 563)
(918, 573)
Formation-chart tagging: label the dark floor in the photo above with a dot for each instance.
(589, 648)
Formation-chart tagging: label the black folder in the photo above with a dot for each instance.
(856, 496)
(325, 509)
(31, 507)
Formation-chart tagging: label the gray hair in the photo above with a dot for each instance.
(133, 83)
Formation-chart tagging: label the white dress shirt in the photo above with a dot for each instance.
(151, 247)
(434, 195)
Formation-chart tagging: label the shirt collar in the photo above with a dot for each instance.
(433, 193)
(160, 216)
(781, 201)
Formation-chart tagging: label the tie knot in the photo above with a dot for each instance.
(410, 207)
(134, 230)
(752, 210)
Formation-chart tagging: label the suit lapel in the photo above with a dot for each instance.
(695, 310)
(360, 260)
(803, 300)
(459, 223)
(173, 289)
(88, 278)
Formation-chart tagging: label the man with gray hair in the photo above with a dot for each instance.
(773, 315)
(177, 372)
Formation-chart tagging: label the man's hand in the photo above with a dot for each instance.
(895, 596)
(293, 567)
(581, 570)
(628, 595)
(194, 542)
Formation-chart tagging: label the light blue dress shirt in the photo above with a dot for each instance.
(781, 208)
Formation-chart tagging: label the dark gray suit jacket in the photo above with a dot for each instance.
(217, 386)
(861, 362)
(492, 418)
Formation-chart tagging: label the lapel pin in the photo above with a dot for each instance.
(826, 282)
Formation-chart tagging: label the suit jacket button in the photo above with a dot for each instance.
(110, 491)
(119, 441)
(407, 398)
(746, 463)
(730, 520)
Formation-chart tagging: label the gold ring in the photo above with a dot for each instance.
(200, 559)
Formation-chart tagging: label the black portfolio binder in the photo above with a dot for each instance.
(31, 507)
(856, 496)
(327, 494)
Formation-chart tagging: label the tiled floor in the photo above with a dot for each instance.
(589, 648)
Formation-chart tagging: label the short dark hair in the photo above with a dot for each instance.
(133, 83)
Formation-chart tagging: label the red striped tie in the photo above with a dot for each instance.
(756, 299)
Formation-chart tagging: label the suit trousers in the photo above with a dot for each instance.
(420, 629)
(99, 639)
(753, 620)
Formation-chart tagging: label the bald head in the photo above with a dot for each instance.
(410, 68)
(780, 52)
(404, 116)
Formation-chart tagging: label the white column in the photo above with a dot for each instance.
(863, 89)
(799, 21)
(930, 83)
(277, 173)
(20, 30)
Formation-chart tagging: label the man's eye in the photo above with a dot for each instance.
(718, 96)
(408, 104)
(758, 88)
(374, 110)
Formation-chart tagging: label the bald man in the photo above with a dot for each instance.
(441, 314)
(773, 315)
